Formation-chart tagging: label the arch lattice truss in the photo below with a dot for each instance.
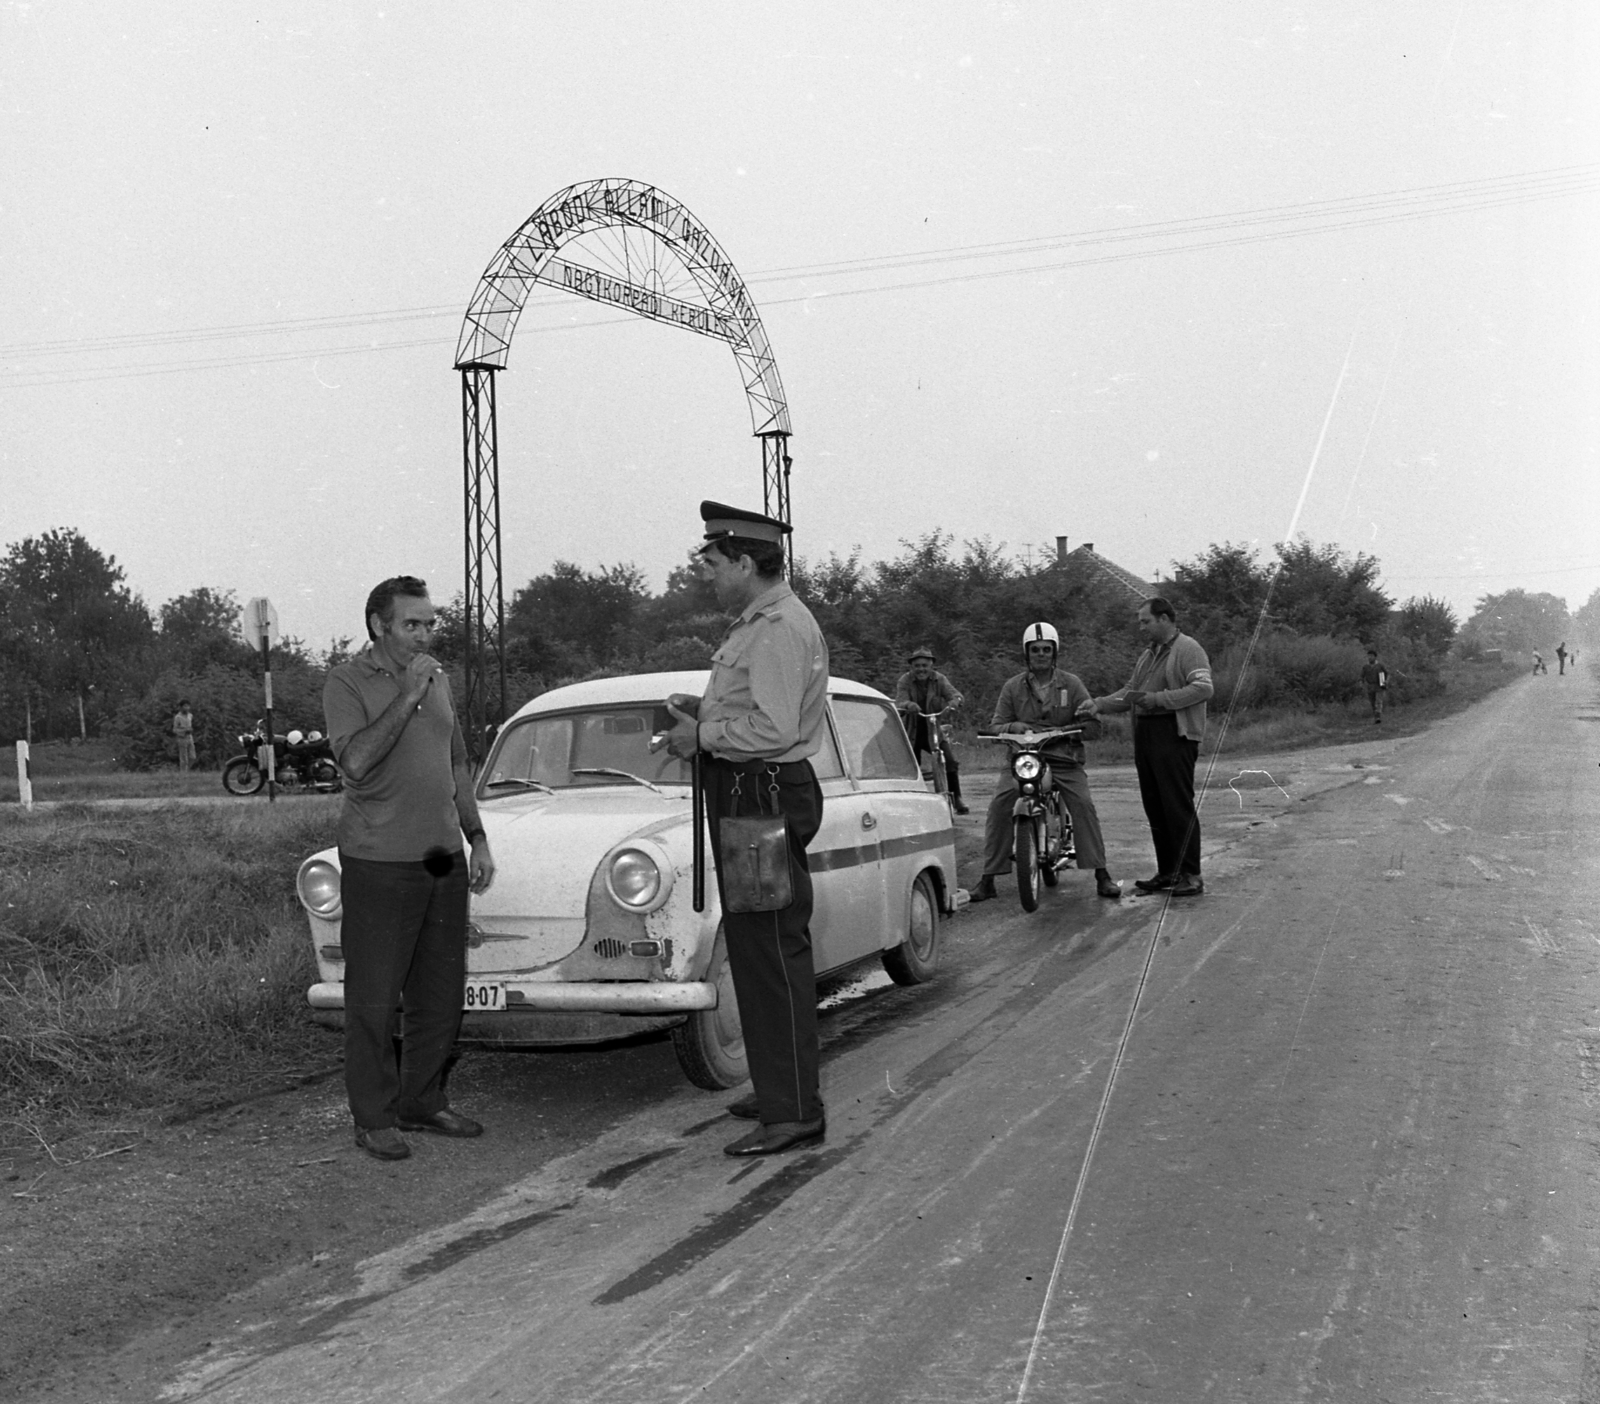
(631, 246)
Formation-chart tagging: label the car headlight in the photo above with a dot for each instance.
(1027, 767)
(318, 888)
(633, 879)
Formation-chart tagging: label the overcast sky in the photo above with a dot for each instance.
(1244, 241)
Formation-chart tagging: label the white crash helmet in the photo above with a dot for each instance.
(294, 738)
(1038, 634)
(313, 737)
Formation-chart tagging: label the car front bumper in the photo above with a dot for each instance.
(576, 996)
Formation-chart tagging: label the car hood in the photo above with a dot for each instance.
(546, 847)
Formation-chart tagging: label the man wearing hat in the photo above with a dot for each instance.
(761, 717)
(922, 690)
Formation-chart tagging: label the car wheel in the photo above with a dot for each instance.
(917, 956)
(243, 777)
(710, 1042)
(1027, 853)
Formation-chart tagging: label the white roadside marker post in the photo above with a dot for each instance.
(24, 775)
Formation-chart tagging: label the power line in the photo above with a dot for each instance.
(1310, 218)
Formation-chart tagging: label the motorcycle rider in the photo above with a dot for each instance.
(924, 690)
(1037, 699)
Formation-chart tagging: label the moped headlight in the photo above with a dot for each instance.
(1026, 767)
(318, 887)
(633, 878)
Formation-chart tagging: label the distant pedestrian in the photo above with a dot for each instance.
(1561, 659)
(183, 729)
(1375, 678)
(1167, 695)
(408, 800)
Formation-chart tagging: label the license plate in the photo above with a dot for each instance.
(484, 994)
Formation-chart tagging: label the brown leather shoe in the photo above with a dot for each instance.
(384, 1142)
(777, 1138)
(443, 1122)
(1188, 885)
(1159, 883)
(746, 1108)
(1106, 885)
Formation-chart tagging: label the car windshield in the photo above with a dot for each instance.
(552, 750)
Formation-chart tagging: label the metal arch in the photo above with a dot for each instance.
(697, 288)
(526, 258)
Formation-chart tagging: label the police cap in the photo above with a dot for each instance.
(723, 521)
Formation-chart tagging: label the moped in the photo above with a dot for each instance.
(1041, 827)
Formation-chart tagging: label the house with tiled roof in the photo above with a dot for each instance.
(1109, 571)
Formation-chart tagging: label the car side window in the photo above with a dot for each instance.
(874, 741)
(826, 762)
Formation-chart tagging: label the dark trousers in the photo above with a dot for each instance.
(921, 743)
(769, 953)
(1165, 762)
(404, 935)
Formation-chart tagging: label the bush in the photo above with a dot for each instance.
(226, 702)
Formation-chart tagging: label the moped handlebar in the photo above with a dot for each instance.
(1030, 738)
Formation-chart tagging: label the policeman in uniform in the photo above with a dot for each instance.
(760, 719)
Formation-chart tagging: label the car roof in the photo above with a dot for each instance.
(651, 687)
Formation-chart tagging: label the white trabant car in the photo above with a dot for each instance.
(589, 932)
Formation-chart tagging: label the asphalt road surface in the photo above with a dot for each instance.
(1327, 1132)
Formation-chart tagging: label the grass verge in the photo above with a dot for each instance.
(152, 958)
(88, 770)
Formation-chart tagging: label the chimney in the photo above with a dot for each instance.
(1088, 545)
(1061, 550)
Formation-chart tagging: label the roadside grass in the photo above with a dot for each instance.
(152, 959)
(1281, 728)
(88, 770)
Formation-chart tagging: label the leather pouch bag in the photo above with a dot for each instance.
(755, 861)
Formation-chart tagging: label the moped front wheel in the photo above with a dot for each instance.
(1026, 853)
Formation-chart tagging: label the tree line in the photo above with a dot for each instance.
(82, 655)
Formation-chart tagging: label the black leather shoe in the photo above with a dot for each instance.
(959, 805)
(1159, 883)
(984, 891)
(777, 1138)
(1188, 885)
(1105, 886)
(443, 1122)
(384, 1142)
(746, 1108)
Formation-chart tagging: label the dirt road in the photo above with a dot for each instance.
(1325, 1132)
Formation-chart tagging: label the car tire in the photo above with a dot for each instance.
(243, 777)
(710, 1042)
(917, 956)
(1028, 860)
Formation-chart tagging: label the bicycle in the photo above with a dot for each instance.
(937, 758)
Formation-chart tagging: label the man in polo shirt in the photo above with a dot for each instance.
(405, 874)
(1167, 695)
(761, 718)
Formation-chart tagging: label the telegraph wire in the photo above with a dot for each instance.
(1326, 216)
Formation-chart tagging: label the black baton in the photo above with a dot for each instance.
(697, 792)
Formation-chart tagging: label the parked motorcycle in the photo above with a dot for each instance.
(300, 761)
(1041, 827)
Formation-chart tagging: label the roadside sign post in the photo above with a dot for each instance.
(24, 775)
(261, 629)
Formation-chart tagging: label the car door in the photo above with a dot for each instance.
(878, 756)
(844, 863)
